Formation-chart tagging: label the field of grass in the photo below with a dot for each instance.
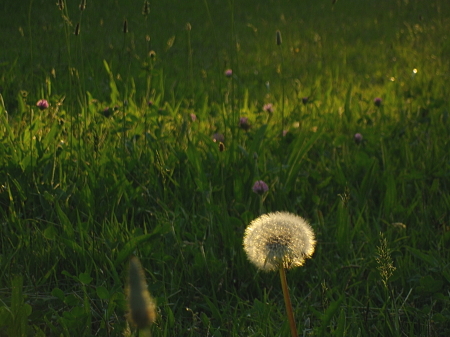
(143, 152)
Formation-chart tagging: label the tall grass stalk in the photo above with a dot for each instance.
(279, 44)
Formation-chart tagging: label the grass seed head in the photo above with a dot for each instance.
(279, 40)
(146, 8)
(77, 30)
(83, 5)
(60, 4)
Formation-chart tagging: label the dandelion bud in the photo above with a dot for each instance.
(279, 38)
(142, 311)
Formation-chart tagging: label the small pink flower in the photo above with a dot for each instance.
(244, 123)
(228, 73)
(377, 101)
(193, 117)
(358, 138)
(268, 107)
(260, 187)
(42, 104)
(218, 138)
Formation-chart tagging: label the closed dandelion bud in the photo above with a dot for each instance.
(77, 30)
(125, 26)
(141, 306)
(279, 38)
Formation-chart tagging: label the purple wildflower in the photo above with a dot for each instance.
(228, 73)
(268, 107)
(358, 138)
(244, 124)
(377, 101)
(193, 117)
(218, 138)
(107, 111)
(42, 104)
(260, 187)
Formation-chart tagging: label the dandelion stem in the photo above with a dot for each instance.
(287, 301)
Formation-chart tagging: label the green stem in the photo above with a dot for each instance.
(287, 301)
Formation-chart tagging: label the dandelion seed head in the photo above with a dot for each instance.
(278, 239)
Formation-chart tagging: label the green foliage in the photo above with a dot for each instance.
(140, 153)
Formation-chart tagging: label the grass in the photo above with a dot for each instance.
(102, 175)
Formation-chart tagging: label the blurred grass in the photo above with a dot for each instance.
(102, 174)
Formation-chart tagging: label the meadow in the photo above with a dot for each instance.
(128, 130)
